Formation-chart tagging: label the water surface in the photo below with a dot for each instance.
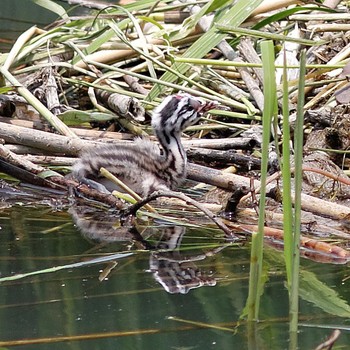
(133, 307)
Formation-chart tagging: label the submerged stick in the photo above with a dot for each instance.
(172, 194)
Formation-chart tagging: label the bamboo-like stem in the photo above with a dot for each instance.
(320, 17)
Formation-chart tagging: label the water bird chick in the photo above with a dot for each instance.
(144, 166)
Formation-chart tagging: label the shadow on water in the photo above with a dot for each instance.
(180, 287)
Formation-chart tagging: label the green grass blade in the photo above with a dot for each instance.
(270, 110)
(286, 177)
(94, 261)
(53, 7)
(298, 146)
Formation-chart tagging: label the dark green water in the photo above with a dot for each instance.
(16, 16)
(130, 309)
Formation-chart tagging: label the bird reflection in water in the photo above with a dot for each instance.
(176, 272)
(171, 268)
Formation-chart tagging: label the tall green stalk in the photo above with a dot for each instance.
(298, 147)
(288, 233)
(270, 110)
